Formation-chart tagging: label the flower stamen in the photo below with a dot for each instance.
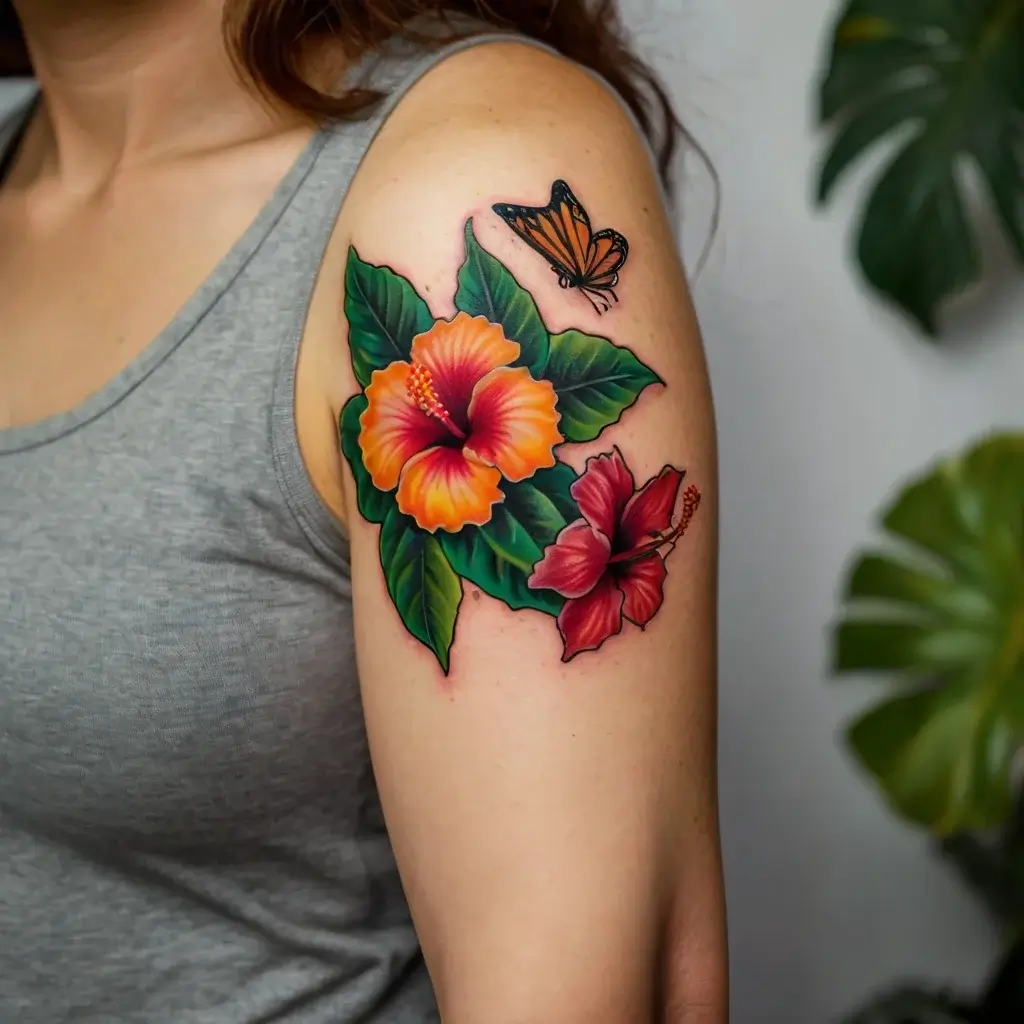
(691, 502)
(422, 393)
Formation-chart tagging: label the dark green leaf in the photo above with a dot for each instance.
(861, 71)
(953, 625)
(1001, 158)
(374, 504)
(951, 71)
(384, 314)
(422, 585)
(879, 576)
(873, 122)
(499, 557)
(942, 760)
(915, 243)
(883, 579)
(488, 289)
(863, 646)
(929, 514)
(595, 380)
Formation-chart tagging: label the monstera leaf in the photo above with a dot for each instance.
(947, 78)
(945, 611)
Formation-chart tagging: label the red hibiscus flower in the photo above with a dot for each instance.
(611, 563)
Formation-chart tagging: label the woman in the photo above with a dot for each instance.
(198, 286)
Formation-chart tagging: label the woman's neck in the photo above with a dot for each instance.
(127, 82)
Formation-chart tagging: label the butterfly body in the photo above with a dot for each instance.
(583, 259)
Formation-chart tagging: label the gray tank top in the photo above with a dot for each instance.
(189, 827)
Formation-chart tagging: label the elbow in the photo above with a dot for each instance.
(694, 985)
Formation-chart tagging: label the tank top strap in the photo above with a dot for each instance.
(13, 121)
(308, 225)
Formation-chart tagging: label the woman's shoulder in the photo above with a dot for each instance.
(490, 111)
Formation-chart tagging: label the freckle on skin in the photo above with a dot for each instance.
(476, 595)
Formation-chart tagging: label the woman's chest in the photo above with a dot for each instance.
(170, 660)
(94, 268)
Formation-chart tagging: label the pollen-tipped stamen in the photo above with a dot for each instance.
(691, 502)
(420, 389)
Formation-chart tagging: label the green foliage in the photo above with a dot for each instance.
(945, 610)
(421, 582)
(487, 288)
(499, 557)
(384, 314)
(595, 380)
(947, 79)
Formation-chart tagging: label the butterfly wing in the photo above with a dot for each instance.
(573, 223)
(608, 252)
(560, 231)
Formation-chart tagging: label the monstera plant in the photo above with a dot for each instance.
(944, 81)
(939, 609)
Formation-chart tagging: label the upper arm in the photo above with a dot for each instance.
(535, 629)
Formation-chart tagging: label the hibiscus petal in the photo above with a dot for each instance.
(586, 622)
(574, 564)
(458, 353)
(513, 423)
(642, 584)
(392, 428)
(649, 511)
(603, 490)
(442, 489)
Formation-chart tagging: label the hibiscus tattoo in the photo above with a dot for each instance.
(454, 441)
(450, 424)
(610, 564)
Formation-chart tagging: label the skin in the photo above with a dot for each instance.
(555, 824)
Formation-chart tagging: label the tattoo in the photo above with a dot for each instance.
(561, 233)
(452, 443)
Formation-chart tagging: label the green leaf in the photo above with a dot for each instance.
(487, 288)
(872, 122)
(384, 314)
(940, 757)
(499, 557)
(880, 578)
(374, 504)
(421, 582)
(947, 619)
(950, 73)
(916, 245)
(862, 67)
(595, 380)
(916, 647)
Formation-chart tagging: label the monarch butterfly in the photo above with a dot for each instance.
(562, 234)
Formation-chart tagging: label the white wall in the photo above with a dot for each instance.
(824, 400)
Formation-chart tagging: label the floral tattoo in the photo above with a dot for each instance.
(453, 442)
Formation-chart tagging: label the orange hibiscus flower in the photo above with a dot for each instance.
(446, 427)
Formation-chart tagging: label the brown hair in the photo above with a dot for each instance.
(269, 39)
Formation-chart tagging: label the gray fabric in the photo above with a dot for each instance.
(189, 827)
